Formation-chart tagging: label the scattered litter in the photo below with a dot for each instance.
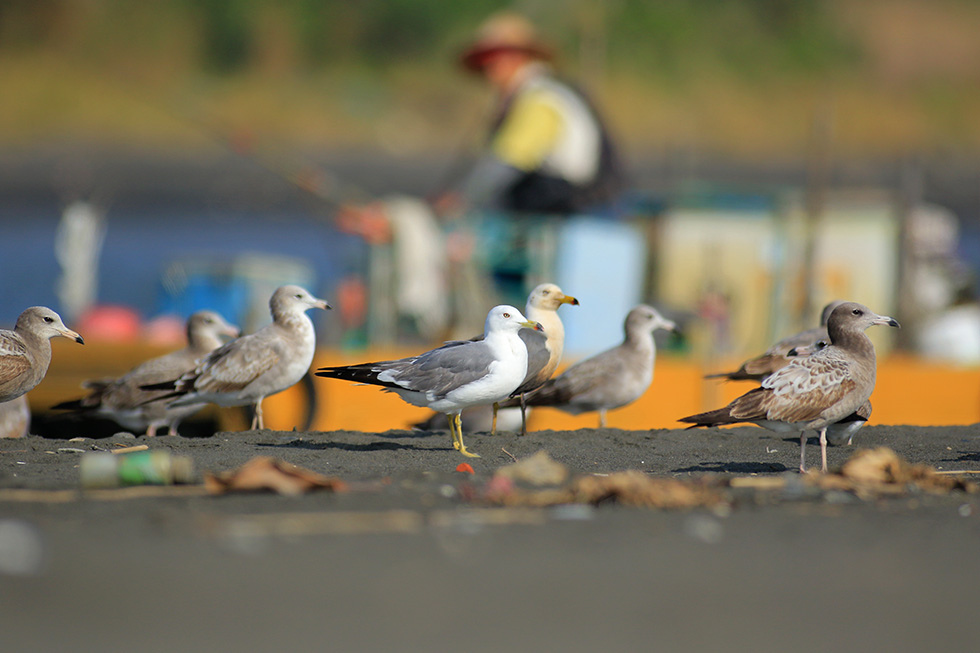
(108, 470)
(539, 470)
(758, 482)
(868, 473)
(631, 488)
(882, 470)
(264, 473)
(465, 468)
(70, 450)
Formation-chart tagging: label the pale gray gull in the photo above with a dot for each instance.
(124, 400)
(814, 391)
(250, 368)
(611, 379)
(25, 352)
(456, 375)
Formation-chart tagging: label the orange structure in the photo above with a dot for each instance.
(908, 391)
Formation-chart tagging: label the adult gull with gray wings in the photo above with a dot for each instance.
(456, 375)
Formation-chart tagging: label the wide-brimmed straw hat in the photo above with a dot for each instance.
(504, 32)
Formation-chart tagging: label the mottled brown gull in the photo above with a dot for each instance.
(611, 379)
(25, 352)
(456, 375)
(814, 391)
(248, 369)
(124, 400)
(842, 432)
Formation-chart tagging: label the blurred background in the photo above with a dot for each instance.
(158, 158)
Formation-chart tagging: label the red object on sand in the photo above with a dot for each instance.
(465, 467)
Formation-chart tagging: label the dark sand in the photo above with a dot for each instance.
(401, 562)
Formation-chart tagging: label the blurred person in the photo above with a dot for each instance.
(547, 150)
(546, 153)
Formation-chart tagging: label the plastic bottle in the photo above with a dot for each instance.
(106, 470)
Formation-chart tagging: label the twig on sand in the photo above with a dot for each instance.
(139, 447)
(512, 456)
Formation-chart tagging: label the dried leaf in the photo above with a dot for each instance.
(264, 473)
(882, 471)
(634, 488)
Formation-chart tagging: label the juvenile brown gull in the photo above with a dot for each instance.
(842, 432)
(814, 391)
(778, 356)
(25, 352)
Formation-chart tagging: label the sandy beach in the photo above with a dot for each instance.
(407, 558)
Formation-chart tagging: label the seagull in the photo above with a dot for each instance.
(777, 356)
(124, 401)
(814, 391)
(458, 374)
(25, 352)
(248, 369)
(544, 350)
(611, 379)
(842, 432)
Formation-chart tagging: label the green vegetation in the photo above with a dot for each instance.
(745, 76)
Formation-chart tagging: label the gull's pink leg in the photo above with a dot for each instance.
(823, 450)
(803, 452)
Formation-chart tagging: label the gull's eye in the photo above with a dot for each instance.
(299, 297)
(506, 314)
(545, 292)
(857, 311)
(49, 320)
